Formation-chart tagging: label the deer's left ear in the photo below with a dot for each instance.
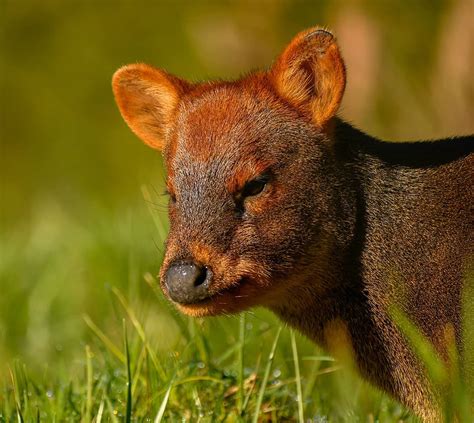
(310, 74)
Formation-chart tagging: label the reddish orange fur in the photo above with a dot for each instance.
(147, 98)
(314, 83)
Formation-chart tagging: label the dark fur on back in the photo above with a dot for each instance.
(411, 241)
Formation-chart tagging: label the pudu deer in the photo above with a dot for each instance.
(277, 202)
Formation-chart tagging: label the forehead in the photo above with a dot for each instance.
(230, 133)
(224, 120)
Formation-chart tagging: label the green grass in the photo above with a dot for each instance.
(88, 336)
(194, 386)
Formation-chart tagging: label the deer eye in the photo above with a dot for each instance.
(254, 187)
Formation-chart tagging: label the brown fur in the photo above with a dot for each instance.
(347, 226)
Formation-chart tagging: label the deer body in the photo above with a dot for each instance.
(412, 230)
(274, 201)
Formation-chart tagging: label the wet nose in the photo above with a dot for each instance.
(187, 283)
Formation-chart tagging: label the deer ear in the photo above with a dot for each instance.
(310, 74)
(147, 98)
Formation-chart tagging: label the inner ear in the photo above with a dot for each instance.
(147, 99)
(310, 74)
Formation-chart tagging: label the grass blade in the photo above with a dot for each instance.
(105, 340)
(299, 391)
(251, 385)
(265, 377)
(159, 221)
(140, 331)
(240, 359)
(89, 384)
(100, 413)
(197, 336)
(163, 405)
(16, 395)
(128, 414)
(110, 408)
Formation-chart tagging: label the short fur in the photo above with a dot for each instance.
(347, 227)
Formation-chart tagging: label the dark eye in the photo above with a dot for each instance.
(254, 187)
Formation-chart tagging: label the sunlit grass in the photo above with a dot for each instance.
(103, 386)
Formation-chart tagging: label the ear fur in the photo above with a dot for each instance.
(310, 74)
(147, 99)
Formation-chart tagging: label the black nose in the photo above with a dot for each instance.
(187, 283)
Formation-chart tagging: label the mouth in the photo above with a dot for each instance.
(232, 299)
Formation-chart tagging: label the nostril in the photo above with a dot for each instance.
(187, 282)
(202, 276)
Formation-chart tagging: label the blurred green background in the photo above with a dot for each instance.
(74, 218)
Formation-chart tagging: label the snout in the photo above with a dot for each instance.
(188, 282)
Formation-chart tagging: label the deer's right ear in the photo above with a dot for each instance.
(147, 98)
